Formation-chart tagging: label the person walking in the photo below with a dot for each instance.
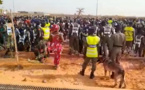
(56, 40)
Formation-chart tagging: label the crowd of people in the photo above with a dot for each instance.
(105, 37)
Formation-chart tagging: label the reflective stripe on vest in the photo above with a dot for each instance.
(92, 46)
(46, 33)
(75, 30)
(92, 51)
(107, 30)
(129, 33)
(138, 40)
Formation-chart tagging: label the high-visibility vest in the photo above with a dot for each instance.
(92, 51)
(110, 21)
(47, 25)
(129, 33)
(46, 33)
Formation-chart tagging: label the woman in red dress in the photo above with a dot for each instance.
(56, 40)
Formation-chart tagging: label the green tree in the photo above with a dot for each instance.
(1, 2)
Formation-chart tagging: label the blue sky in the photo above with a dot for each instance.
(106, 7)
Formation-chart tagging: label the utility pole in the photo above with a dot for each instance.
(13, 6)
(97, 8)
(15, 43)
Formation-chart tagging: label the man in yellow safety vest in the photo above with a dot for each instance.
(129, 36)
(91, 52)
(110, 21)
(42, 48)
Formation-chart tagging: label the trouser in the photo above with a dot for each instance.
(57, 53)
(36, 51)
(1, 40)
(106, 45)
(10, 52)
(87, 60)
(10, 47)
(74, 44)
(41, 51)
(84, 47)
(129, 45)
(17, 39)
(65, 34)
(4, 38)
(138, 50)
(100, 49)
(80, 46)
(116, 54)
(36, 41)
(143, 52)
(105, 50)
(27, 45)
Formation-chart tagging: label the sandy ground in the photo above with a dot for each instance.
(38, 74)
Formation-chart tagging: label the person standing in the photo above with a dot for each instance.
(10, 41)
(116, 44)
(139, 43)
(74, 38)
(108, 31)
(143, 46)
(83, 34)
(130, 36)
(92, 42)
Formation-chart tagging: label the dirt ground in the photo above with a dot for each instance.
(35, 73)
